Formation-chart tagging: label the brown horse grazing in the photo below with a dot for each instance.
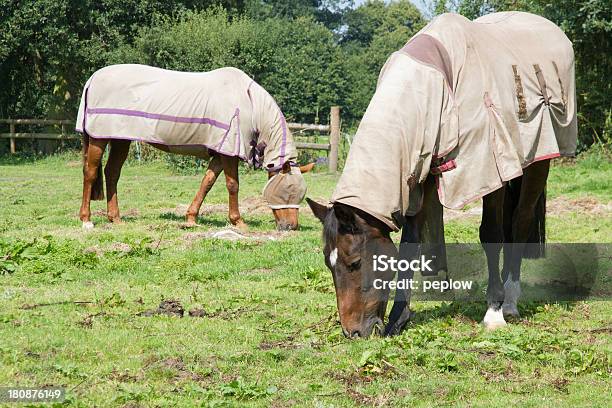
(222, 115)
(442, 132)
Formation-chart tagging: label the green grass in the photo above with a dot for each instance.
(270, 336)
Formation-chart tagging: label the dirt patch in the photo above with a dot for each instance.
(281, 344)
(471, 211)
(230, 314)
(166, 307)
(248, 205)
(351, 381)
(130, 213)
(177, 367)
(255, 205)
(87, 322)
(583, 205)
(556, 206)
(234, 234)
(561, 384)
(198, 313)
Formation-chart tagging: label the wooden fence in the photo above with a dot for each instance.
(333, 129)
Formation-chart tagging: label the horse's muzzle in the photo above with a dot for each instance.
(373, 325)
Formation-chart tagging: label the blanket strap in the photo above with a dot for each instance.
(541, 83)
(441, 168)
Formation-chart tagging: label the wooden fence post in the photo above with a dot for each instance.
(12, 140)
(334, 138)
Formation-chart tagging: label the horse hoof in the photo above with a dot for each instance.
(510, 311)
(87, 225)
(494, 319)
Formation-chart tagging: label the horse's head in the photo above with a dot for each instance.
(284, 191)
(352, 238)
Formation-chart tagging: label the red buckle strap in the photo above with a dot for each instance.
(446, 166)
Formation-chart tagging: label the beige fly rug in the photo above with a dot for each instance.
(471, 102)
(222, 111)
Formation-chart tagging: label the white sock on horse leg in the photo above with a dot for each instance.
(494, 318)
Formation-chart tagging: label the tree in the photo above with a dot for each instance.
(48, 48)
(375, 17)
(373, 32)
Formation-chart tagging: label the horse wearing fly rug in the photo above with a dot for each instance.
(465, 110)
(223, 115)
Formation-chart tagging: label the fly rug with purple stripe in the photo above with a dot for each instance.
(466, 110)
(221, 115)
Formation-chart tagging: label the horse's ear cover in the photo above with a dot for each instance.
(285, 190)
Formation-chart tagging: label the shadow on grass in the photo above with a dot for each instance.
(19, 158)
(214, 222)
(476, 310)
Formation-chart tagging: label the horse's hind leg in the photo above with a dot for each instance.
(492, 237)
(119, 150)
(532, 187)
(230, 168)
(214, 169)
(92, 160)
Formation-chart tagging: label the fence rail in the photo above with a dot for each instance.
(331, 148)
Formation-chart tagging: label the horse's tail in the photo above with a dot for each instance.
(97, 189)
(536, 243)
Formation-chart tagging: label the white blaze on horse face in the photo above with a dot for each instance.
(333, 257)
(494, 318)
(512, 291)
(87, 225)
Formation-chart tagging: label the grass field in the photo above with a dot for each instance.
(269, 334)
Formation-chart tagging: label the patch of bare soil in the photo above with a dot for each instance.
(352, 381)
(583, 205)
(87, 322)
(168, 307)
(235, 234)
(248, 205)
(471, 211)
(281, 344)
(556, 206)
(198, 313)
(130, 213)
(230, 314)
(182, 373)
(175, 365)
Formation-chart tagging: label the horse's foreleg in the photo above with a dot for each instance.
(492, 237)
(230, 168)
(532, 187)
(213, 171)
(119, 150)
(399, 315)
(92, 160)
